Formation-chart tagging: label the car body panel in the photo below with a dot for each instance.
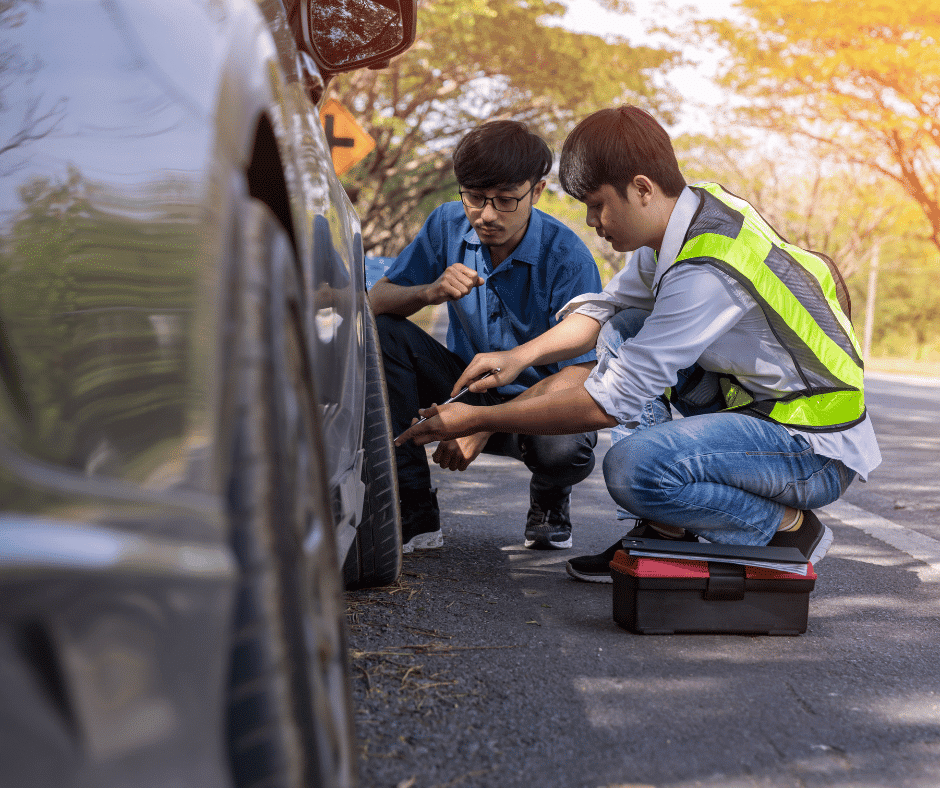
(122, 127)
(103, 85)
(101, 600)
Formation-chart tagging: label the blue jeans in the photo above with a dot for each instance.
(724, 476)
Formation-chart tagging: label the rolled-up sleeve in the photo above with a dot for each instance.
(578, 276)
(694, 308)
(600, 306)
(630, 287)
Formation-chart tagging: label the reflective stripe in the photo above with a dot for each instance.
(747, 254)
(815, 410)
(821, 410)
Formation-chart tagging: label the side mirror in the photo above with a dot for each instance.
(343, 35)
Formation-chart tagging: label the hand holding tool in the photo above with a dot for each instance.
(456, 396)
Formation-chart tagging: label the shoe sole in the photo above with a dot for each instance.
(812, 538)
(429, 541)
(545, 544)
(584, 578)
(822, 547)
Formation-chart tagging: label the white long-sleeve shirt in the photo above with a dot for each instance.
(699, 315)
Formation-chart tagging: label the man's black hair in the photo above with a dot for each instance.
(613, 146)
(501, 153)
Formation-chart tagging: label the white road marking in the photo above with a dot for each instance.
(915, 544)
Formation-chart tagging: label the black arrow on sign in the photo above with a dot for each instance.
(333, 141)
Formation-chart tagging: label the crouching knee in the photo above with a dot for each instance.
(628, 473)
(568, 459)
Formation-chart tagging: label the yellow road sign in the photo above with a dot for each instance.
(349, 144)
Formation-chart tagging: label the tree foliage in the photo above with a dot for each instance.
(861, 77)
(907, 310)
(850, 213)
(472, 61)
(837, 211)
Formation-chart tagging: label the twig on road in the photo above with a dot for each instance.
(429, 632)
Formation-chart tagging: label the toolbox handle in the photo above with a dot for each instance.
(725, 581)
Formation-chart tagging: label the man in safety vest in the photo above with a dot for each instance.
(744, 334)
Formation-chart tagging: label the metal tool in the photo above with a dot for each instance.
(456, 396)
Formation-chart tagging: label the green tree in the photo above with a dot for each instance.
(473, 61)
(859, 77)
(906, 311)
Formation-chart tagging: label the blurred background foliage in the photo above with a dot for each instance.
(831, 128)
(474, 61)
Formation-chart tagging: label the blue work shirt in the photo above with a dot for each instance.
(519, 298)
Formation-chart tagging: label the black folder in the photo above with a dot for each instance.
(708, 551)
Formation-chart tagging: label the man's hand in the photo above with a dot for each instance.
(456, 281)
(506, 361)
(404, 300)
(444, 422)
(457, 454)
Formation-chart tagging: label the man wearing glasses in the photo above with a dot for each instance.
(504, 269)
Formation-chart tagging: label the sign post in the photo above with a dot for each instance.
(349, 144)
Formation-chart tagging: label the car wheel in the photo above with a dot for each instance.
(289, 720)
(374, 559)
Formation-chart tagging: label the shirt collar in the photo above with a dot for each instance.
(529, 248)
(676, 229)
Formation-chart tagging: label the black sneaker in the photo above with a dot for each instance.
(594, 568)
(548, 525)
(812, 538)
(420, 521)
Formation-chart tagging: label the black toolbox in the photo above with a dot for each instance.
(676, 594)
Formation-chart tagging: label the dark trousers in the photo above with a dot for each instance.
(420, 371)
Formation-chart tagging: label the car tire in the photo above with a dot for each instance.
(374, 559)
(289, 716)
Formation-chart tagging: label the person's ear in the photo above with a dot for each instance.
(645, 188)
(537, 191)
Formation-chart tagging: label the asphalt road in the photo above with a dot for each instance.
(488, 666)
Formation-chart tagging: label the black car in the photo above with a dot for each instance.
(194, 439)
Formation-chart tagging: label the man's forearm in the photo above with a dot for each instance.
(572, 337)
(388, 298)
(561, 411)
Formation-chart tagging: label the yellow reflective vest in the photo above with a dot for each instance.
(798, 292)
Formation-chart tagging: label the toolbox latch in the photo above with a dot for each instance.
(725, 581)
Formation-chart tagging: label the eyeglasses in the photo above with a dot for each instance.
(502, 204)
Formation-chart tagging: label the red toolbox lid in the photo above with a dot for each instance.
(639, 566)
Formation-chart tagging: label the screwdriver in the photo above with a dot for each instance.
(456, 396)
